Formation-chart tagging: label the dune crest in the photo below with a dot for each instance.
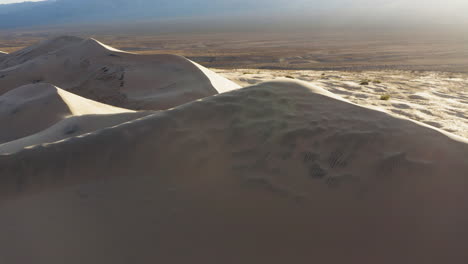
(34, 107)
(69, 127)
(39, 49)
(96, 71)
(2, 55)
(438, 99)
(280, 172)
(95, 41)
(220, 83)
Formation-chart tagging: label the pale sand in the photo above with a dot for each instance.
(32, 108)
(70, 127)
(434, 98)
(93, 70)
(281, 172)
(42, 113)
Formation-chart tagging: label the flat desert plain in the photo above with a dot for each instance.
(279, 47)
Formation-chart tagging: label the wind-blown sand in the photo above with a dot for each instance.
(435, 98)
(281, 172)
(93, 70)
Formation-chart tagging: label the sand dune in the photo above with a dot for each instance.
(32, 108)
(34, 51)
(281, 172)
(93, 70)
(70, 127)
(439, 99)
(2, 55)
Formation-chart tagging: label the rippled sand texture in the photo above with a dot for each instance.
(434, 98)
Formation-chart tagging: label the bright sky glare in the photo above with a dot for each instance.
(17, 1)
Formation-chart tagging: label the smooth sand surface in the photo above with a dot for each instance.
(437, 99)
(70, 127)
(32, 108)
(281, 172)
(220, 83)
(37, 50)
(93, 70)
(42, 113)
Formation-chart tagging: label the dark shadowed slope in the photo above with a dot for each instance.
(280, 172)
(2, 55)
(93, 70)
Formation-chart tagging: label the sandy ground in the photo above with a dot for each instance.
(32, 108)
(278, 172)
(91, 69)
(62, 115)
(434, 98)
(284, 171)
(277, 47)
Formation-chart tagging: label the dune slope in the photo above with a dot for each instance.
(93, 70)
(3, 55)
(439, 99)
(281, 172)
(31, 108)
(37, 50)
(70, 127)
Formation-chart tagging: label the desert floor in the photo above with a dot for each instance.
(277, 48)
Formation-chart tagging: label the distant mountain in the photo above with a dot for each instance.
(77, 11)
(419, 12)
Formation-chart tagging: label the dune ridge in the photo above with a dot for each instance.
(274, 173)
(438, 99)
(96, 71)
(32, 108)
(70, 127)
(37, 50)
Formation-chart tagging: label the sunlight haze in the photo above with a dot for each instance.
(17, 1)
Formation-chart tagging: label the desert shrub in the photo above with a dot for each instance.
(377, 81)
(385, 97)
(364, 82)
(290, 77)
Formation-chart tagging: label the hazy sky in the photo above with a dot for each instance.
(376, 4)
(379, 5)
(17, 1)
(425, 12)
